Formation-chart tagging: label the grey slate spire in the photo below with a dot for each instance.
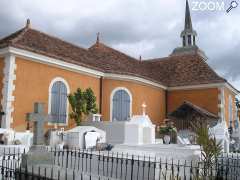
(188, 35)
(188, 20)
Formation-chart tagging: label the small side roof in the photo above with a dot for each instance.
(182, 110)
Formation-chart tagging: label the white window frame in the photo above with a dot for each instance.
(111, 100)
(50, 97)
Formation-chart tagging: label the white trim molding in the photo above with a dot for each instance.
(204, 86)
(201, 86)
(54, 62)
(73, 67)
(50, 97)
(7, 91)
(111, 100)
(132, 78)
(221, 103)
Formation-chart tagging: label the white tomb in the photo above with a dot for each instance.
(220, 132)
(9, 136)
(75, 138)
(140, 130)
(56, 137)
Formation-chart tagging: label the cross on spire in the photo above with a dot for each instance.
(98, 38)
(28, 23)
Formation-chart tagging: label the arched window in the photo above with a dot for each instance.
(58, 104)
(121, 104)
(230, 111)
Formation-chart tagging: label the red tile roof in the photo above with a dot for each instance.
(183, 70)
(170, 71)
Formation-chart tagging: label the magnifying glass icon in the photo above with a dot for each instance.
(233, 5)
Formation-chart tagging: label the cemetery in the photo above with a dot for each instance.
(108, 150)
(191, 144)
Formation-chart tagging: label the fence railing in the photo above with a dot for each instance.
(90, 165)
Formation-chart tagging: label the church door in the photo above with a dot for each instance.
(121, 106)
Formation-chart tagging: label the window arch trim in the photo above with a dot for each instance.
(50, 97)
(111, 100)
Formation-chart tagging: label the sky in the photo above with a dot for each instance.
(150, 28)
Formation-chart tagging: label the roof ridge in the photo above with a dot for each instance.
(57, 38)
(111, 48)
(11, 37)
(24, 30)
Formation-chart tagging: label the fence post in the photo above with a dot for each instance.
(149, 165)
(107, 162)
(98, 161)
(121, 166)
(132, 164)
(117, 166)
(143, 165)
(67, 158)
(138, 166)
(112, 164)
(126, 166)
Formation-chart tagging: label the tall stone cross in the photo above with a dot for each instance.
(39, 118)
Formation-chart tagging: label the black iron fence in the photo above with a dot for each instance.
(90, 165)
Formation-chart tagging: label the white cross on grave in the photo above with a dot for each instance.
(39, 118)
(144, 109)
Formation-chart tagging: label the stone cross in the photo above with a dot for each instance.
(39, 118)
(144, 109)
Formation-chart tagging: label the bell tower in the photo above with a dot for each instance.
(188, 35)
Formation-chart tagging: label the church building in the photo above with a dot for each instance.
(37, 67)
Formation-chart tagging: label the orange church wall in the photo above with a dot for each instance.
(32, 85)
(153, 97)
(227, 94)
(1, 77)
(204, 98)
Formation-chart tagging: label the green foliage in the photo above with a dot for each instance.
(90, 98)
(210, 147)
(237, 103)
(170, 130)
(82, 103)
(167, 130)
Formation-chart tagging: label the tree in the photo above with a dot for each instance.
(90, 98)
(237, 103)
(211, 149)
(82, 103)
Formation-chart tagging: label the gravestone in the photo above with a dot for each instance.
(91, 139)
(38, 153)
(39, 119)
(76, 137)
